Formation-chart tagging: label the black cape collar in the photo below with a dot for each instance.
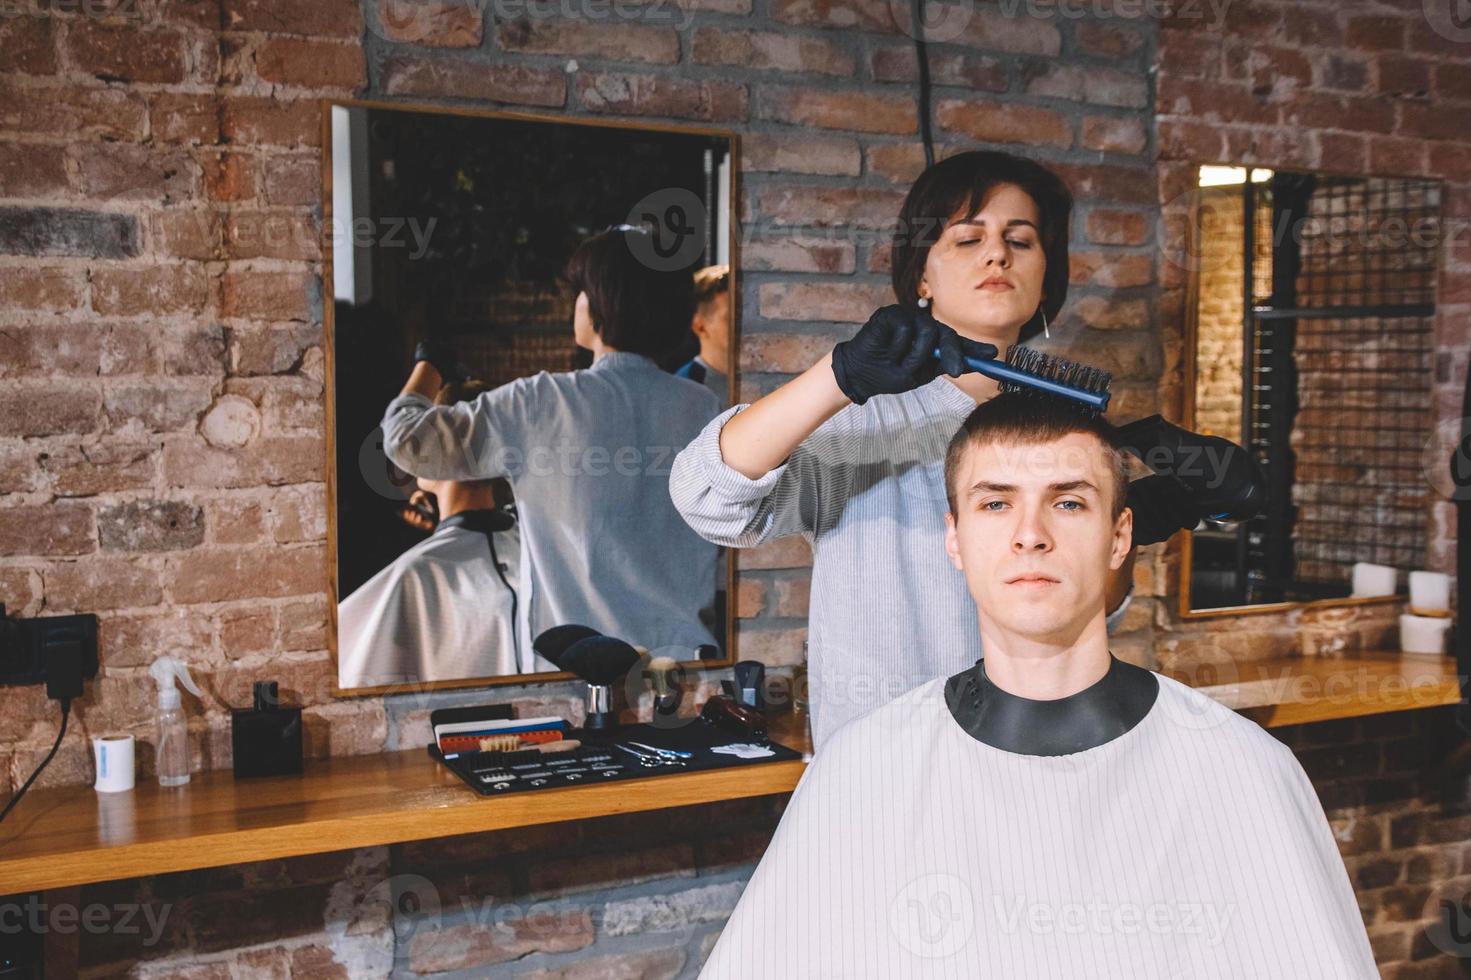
(1095, 715)
(484, 521)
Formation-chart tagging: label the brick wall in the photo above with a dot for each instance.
(1218, 315)
(161, 444)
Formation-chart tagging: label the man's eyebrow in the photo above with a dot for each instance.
(1066, 486)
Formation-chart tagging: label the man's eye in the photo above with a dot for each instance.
(1075, 504)
(987, 504)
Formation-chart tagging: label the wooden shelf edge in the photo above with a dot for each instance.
(475, 814)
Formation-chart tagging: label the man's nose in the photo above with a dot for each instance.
(1031, 532)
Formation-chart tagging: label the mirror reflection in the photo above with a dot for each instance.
(1313, 343)
(530, 319)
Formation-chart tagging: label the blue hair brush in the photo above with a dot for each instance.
(1032, 372)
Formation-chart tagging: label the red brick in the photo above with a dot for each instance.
(322, 18)
(1109, 312)
(750, 597)
(1375, 33)
(864, 112)
(589, 39)
(1115, 185)
(898, 163)
(22, 590)
(157, 289)
(135, 173)
(223, 575)
(184, 118)
(269, 460)
(1270, 72)
(126, 53)
(1342, 153)
(274, 234)
(1450, 161)
(820, 207)
(1453, 81)
(1343, 72)
(787, 353)
(41, 289)
(235, 520)
(1301, 25)
(653, 95)
(1117, 227)
(1214, 102)
(474, 945)
(28, 45)
(196, 14)
(794, 255)
(110, 467)
(292, 180)
(1108, 42)
(868, 15)
(1431, 122)
(32, 170)
(1189, 54)
(29, 411)
(58, 528)
(304, 624)
(979, 73)
(51, 349)
(1004, 123)
(1103, 86)
(842, 302)
(523, 84)
(101, 584)
(76, 113)
(767, 50)
(773, 647)
(800, 153)
(270, 348)
(312, 64)
(793, 596)
(1185, 140)
(432, 23)
(246, 630)
(994, 29)
(154, 407)
(273, 122)
(1110, 134)
(257, 295)
(1110, 268)
(1366, 115)
(187, 234)
(1395, 155)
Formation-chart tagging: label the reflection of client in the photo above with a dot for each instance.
(588, 455)
(711, 324)
(445, 609)
(1051, 811)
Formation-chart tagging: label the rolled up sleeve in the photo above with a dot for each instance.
(728, 508)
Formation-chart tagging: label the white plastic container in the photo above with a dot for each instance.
(1422, 634)
(1372, 580)
(1430, 591)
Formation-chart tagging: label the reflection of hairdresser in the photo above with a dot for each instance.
(587, 454)
(711, 324)
(445, 609)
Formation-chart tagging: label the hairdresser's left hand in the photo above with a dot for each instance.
(1161, 507)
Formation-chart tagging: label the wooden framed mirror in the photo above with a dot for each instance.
(456, 227)
(1310, 342)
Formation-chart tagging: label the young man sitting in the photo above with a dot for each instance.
(1052, 811)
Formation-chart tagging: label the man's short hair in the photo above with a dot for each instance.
(1026, 419)
(710, 282)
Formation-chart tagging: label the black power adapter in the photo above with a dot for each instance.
(58, 651)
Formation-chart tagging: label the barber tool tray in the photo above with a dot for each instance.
(627, 752)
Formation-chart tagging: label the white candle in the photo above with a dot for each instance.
(1422, 634)
(1372, 580)
(1430, 590)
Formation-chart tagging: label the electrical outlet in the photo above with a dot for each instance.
(58, 651)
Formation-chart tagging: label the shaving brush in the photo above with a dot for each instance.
(599, 660)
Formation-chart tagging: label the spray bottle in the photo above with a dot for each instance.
(173, 729)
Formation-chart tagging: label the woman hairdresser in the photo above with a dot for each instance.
(849, 454)
(587, 455)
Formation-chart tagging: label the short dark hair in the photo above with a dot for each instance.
(634, 307)
(963, 181)
(1023, 419)
(710, 282)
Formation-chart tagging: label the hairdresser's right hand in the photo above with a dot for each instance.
(894, 352)
(441, 357)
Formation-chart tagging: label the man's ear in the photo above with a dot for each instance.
(952, 542)
(1123, 538)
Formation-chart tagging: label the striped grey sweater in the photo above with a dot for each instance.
(888, 610)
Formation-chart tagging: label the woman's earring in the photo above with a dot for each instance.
(924, 301)
(1045, 332)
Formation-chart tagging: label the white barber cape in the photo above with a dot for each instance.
(1191, 846)
(438, 612)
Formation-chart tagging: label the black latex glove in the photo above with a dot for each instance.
(441, 357)
(1161, 507)
(894, 352)
(1220, 478)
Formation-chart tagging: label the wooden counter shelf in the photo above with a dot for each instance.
(69, 836)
